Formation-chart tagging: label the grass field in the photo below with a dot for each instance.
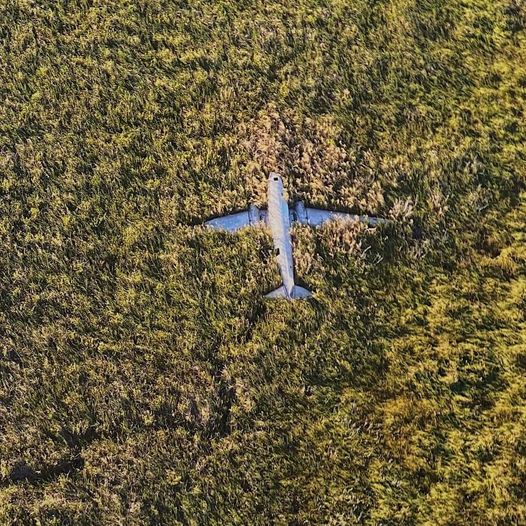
(143, 378)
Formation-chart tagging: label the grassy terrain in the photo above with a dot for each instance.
(143, 379)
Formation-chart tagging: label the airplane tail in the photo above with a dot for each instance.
(297, 293)
(300, 292)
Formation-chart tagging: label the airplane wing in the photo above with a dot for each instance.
(233, 222)
(317, 216)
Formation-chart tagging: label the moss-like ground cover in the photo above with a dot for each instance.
(144, 380)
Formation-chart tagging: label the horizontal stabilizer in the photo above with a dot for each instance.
(280, 292)
(297, 293)
(300, 293)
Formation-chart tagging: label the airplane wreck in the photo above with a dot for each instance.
(278, 218)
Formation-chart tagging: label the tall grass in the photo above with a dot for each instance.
(143, 379)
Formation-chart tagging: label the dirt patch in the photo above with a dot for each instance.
(312, 159)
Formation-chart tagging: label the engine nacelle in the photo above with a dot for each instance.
(254, 214)
(300, 212)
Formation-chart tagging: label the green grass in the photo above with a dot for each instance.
(144, 380)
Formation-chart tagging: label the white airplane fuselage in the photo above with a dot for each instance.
(279, 223)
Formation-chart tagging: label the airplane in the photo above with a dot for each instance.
(278, 217)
